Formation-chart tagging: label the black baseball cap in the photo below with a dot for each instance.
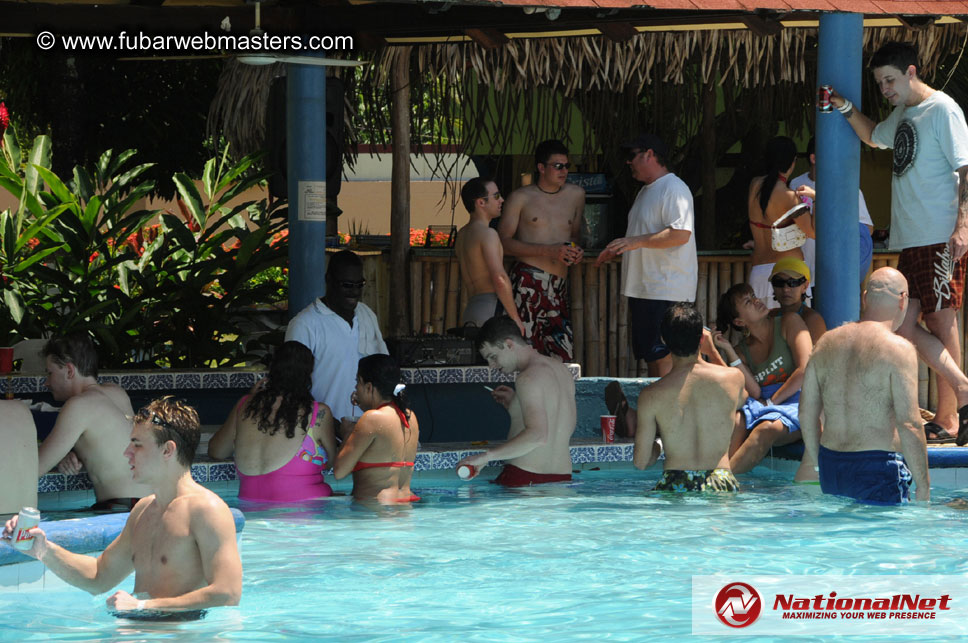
(644, 142)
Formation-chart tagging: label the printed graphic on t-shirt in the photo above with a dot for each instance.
(905, 147)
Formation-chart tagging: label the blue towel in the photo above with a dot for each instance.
(788, 412)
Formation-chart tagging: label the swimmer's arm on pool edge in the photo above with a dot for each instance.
(93, 575)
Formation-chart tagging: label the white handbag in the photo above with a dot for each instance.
(791, 236)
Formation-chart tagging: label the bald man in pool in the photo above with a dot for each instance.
(864, 380)
(179, 541)
(542, 409)
(693, 409)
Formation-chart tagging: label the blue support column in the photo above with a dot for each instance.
(837, 293)
(306, 167)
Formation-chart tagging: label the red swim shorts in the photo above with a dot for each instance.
(933, 276)
(512, 476)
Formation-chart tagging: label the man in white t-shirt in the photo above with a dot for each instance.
(339, 329)
(929, 215)
(659, 267)
(864, 226)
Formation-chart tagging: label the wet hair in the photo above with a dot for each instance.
(547, 149)
(290, 380)
(899, 55)
(473, 190)
(383, 372)
(495, 330)
(681, 329)
(780, 154)
(340, 260)
(726, 312)
(173, 419)
(75, 348)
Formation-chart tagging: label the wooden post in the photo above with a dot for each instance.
(614, 294)
(713, 285)
(602, 325)
(591, 318)
(706, 227)
(439, 297)
(426, 300)
(578, 312)
(450, 315)
(623, 337)
(400, 191)
(738, 272)
(725, 276)
(702, 291)
(416, 282)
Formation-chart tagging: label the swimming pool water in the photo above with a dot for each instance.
(599, 558)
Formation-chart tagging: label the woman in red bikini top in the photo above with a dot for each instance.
(281, 438)
(381, 449)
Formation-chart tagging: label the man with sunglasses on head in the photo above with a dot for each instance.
(339, 329)
(481, 257)
(92, 427)
(540, 228)
(659, 266)
(179, 540)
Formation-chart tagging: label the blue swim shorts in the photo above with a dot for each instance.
(871, 477)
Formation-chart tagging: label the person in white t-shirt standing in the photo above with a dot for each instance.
(659, 266)
(929, 215)
(339, 329)
(865, 225)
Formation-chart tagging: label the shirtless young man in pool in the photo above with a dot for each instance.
(18, 458)
(92, 428)
(539, 225)
(693, 409)
(864, 379)
(179, 541)
(542, 409)
(481, 256)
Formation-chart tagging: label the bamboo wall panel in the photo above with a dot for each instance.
(599, 311)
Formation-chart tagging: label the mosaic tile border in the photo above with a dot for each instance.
(160, 380)
(431, 460)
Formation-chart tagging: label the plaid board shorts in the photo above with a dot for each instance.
(933, 276)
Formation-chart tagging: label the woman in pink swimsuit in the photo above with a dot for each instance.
(281, 437)
(380, 450)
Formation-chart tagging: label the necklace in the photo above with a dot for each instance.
(546, 191)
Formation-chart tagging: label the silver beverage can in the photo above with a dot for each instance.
(29, 518)
(823, 99)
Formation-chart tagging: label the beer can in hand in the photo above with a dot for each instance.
(823, 99)
(28, 519)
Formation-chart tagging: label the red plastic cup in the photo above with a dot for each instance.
(608, 428)
(6, 360)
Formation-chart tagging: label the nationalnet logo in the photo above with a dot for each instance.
(822, 604)
(738, 604)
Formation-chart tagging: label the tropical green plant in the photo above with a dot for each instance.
(202, 264)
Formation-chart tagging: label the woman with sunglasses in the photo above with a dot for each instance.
(283, 440)
(790, 279)
(772, 356)
(769, 199)
(382, 446)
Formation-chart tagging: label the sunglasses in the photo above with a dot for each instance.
(780, 282)
(351, 285)
(496, 195)
(148, 416)
(560, 166)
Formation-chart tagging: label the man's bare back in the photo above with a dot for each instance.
(18, 458)
(547, 384)
(867, 378)
(543, 223)
(96, 425)
(693, 409)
